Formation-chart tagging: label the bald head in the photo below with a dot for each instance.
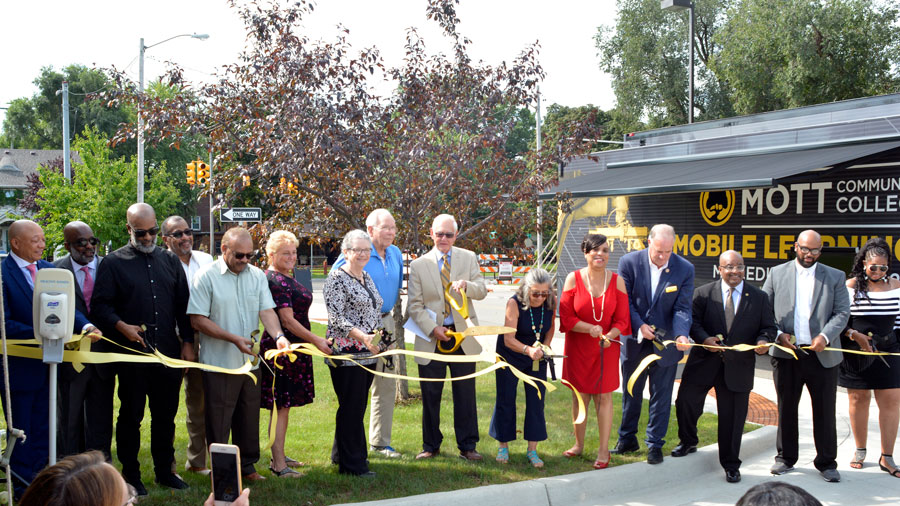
(808, 248)
(140, 211)
(237, 249)
(235, 235)
(26, 239)
(80, 242)
(731, 268)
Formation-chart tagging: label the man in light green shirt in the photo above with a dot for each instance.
(228, 299)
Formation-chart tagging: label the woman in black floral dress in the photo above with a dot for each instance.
(293, 385)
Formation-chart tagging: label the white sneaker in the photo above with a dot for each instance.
(387, 451)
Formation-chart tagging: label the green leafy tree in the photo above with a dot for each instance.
(779, 54)
(102, 188)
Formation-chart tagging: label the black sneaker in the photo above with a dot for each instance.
(172, 481)
(139, 489)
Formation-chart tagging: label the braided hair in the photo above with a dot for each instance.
(874, 247)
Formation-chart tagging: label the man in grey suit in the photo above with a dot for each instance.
(83, 429)
(811, 303)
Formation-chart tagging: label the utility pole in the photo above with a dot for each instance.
(140, 127)
(540, 206)
(212, 228)
(67, 163)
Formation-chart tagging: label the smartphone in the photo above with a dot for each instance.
(226, 473)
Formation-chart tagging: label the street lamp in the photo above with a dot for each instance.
(140, 139)
(675, 6)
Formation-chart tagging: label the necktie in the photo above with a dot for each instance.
(87, 289)
(445, 280)
(729, 310)
(33, 270)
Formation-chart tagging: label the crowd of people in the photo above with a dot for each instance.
(184, 304)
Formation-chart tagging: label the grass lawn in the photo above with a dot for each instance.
(311, 432)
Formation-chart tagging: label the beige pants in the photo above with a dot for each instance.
(384, 391)
(196, 424)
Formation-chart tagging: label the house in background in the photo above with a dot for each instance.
(15, 167)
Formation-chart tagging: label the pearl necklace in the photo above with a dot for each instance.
(602, 302)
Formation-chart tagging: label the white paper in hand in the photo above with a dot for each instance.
(411, 326)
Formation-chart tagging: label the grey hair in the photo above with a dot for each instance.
(536, 277)
(661, 229)
(374, 216)
(442, 217)
(353, 235)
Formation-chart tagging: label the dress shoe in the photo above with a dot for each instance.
(831, 475)
(367, 474)
(623, 448)
(779, 468)
(732, 475)
(172, 481)
(203, 471)
(254, 476)
(425, 454)
(682, 450)
(471, 455)
(139, 489)
(654, 456)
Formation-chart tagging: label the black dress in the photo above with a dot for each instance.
(877, 314)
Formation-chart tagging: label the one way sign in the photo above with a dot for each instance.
(233, 214)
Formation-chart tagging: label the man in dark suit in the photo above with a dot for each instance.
(28, 379)
(811, 303)
(725, 313)
(659, 285)
(85, 398)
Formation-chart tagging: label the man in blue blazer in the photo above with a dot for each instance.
(660, 286)
(28, 378)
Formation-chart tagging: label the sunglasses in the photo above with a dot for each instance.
(447, 235)
(177, 235)
(141, 233)
(241, 256)
(80, 243)
(540, 294)
(875, 267)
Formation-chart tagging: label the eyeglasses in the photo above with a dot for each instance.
(447, 235)
(732, 268)
(80, 243)
(807, 251)
(540, 294)
(141, 232)
(361, 251)
(241, 256)
(876, 267)
(178, 234)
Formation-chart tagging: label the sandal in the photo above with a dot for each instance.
(889, 460)
(293, 463)
(534, 459)
(602, 465)
(858, 457)
(287, 472)
(570, 453)
(503, 455)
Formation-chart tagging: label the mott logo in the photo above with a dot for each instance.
(717, 207)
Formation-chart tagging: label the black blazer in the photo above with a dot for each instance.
(66, 263)
(754, 320)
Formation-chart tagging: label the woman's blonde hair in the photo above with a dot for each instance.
(76, 480)
(277, 239)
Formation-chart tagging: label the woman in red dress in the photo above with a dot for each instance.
(593, 313)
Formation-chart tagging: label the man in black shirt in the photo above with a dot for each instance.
(140, 300)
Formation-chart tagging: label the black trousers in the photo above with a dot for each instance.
(98, 409)
(351, 386)
(465, 415)
(503, 421)
(732, 411)
(231, 402)
(85, 410)
(160, 386)
(790, 376)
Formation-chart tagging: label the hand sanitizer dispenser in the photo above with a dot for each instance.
(54, 311)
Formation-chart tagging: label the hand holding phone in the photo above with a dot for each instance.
(226, 474)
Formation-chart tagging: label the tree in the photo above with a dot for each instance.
(102, 188)
(779, 54)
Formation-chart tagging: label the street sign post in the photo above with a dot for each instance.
(233, 214)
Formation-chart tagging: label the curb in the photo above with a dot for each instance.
(588, 487)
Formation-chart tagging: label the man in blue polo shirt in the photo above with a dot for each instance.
(386, 269)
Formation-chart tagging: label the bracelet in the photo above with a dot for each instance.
(280, 335)
(525, 349)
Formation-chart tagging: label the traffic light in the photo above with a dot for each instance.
(191, 173)
(202, 173)
(245, 179)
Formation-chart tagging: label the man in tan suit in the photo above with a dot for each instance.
(429, 277)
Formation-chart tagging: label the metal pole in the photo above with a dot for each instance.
(691, 66)
(538, 145)
(212, 229)
(67, 164)
(52, 428)
(140, 126)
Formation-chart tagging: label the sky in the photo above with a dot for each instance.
(105, 33)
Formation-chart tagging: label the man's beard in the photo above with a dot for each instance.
(140, 247)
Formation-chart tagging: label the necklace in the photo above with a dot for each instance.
(534, 328)
(603, 301)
